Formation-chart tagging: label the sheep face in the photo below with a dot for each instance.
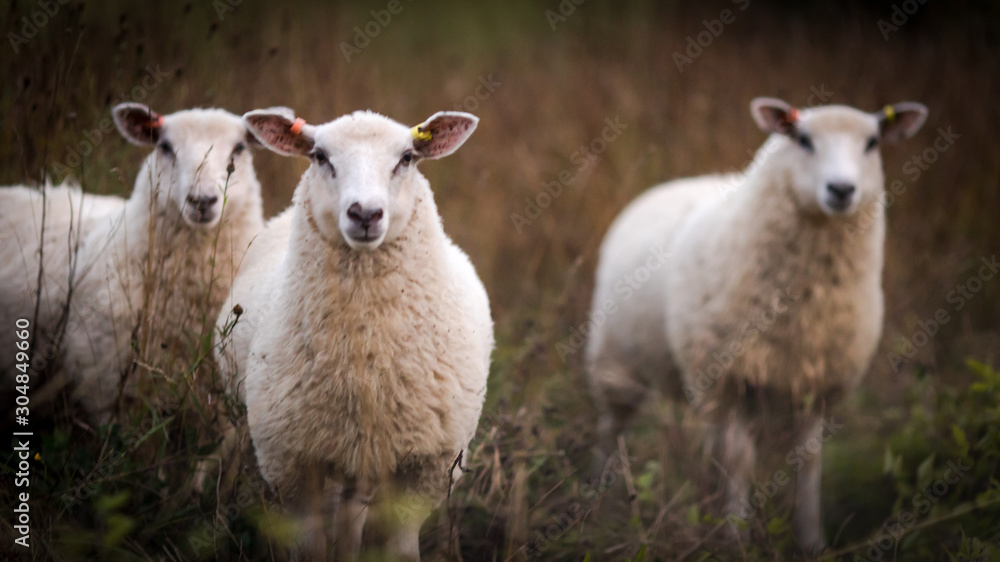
(830, 155)
(363, 182)
(200, 158)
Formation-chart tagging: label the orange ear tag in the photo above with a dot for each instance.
(296, 127)
(793, 115)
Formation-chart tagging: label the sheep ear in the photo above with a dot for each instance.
(277, 128)
(251, 140)
(774, 116)
(443, 133)
(138, 123)
(901, 120)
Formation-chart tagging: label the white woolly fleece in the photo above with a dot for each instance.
(68, 214)
(161, 279)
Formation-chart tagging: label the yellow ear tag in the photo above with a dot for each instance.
(890, 113)
(420, 134)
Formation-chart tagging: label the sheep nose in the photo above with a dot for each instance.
(362, 216)
(840, 191)
(202, 203)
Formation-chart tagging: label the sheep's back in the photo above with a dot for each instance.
(627, 323)
(69, 216)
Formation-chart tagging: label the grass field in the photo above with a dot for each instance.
(547, 78)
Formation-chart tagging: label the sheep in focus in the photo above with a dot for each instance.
(365, 335)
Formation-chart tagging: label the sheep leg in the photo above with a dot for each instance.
(404, 542)
(308, 505)
(410, 508)
(739, 455)
(332, 523)
(618, 398)
(208, 466)
(807, 522)
(351, 524)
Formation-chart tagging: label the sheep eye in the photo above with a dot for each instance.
(805, 142)
(407, 158)
(239, 148)
(166, 147)
(321, 158)
(872, 143)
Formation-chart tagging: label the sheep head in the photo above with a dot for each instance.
(200, 158)
(831, 153)
(363, 182)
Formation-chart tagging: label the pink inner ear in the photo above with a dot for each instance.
(445, 133)
(143, 125)
(779, 120)
(275, 131)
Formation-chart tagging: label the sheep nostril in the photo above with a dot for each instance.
(842, 191)
(202, 203)
(354, 212)
(365, 217)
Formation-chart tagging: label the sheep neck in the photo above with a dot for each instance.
(363, 271)
(177, 285)
(162, 218)
(776, 226)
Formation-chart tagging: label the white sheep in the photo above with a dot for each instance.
(769, 308)
(154, 289)
(365, 335)
(44, 225)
